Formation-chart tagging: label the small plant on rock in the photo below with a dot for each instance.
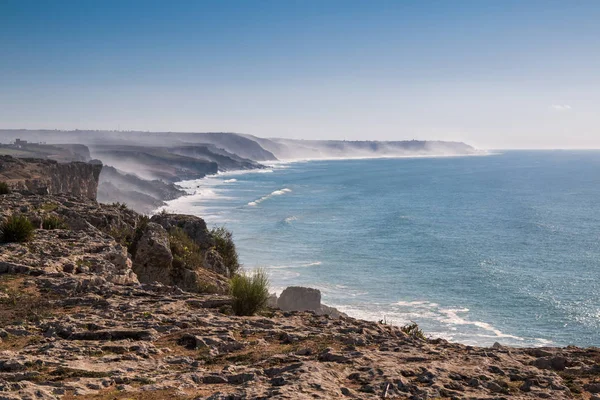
(53, 222)
(4, 189)
(16, 228)
(250, 292)
(414, 331)
(226, 248)
(186, 253)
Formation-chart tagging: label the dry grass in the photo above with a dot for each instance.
(21, 301)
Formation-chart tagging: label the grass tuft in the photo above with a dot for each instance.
(413, 331)
(53, 222)
(250, 292)
(4, 189)
(16, 228)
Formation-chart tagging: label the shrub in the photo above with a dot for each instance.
(122, 235)
(4, 189)
(53, 222)
(16, 228)
(250, 292)
(226, 248)
(186, 253)
(414, 331)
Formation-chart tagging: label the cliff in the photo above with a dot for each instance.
(140, 194)
(103, 308)
(316, 149)
(49, 176)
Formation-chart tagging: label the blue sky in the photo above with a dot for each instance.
(497, 74)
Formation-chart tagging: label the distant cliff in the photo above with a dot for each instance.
(314, 149)
(50, 177)
(245, 146)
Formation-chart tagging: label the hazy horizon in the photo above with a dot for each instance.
(509, 75)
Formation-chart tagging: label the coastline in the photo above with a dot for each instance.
(200, 193)
(234, 201)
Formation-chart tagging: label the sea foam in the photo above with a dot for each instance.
(272, 194)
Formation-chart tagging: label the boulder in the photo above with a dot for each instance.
(195, 227)
(297, 298)
(153, 259)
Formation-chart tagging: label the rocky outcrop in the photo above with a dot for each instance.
(193, 226)
(298, 298)
(153, 258)
(41, 176)
(145, 242)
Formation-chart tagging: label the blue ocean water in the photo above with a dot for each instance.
(500, 248)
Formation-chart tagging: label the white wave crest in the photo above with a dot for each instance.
(275, 193)
(291, 219)
(230, 180)
(310, 264)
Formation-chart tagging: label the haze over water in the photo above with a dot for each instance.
(499, 248)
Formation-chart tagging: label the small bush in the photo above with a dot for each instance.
(414, 331)
(16, 228)
(226, 248)
(250, 292)
(122, 235)
(53, 222)
(186, 253)
(4, 189)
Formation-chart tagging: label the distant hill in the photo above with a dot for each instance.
(248, 147)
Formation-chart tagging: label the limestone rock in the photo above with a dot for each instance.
(195, 227)
(297, 298)
(153, 259)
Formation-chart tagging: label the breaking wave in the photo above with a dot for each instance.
(275, 193)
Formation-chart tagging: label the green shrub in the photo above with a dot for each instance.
(226, 248)
(414, 331)
(250, 292)
(53, 222)
(186, 253)
(122, 235)
(4, 189)
(16, 228)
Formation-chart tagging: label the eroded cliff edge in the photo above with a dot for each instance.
(43, 176)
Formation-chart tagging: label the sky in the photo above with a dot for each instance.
(495, 74)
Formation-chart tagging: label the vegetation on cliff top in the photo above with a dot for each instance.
(186, 253)
(53, 222)
(250, 292)
(226, 248)
(4, 189)
(16, 228)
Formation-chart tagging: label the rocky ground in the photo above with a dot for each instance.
(77, 323)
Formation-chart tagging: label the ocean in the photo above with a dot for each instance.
(498, 248)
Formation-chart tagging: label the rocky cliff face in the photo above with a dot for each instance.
(50, 177)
